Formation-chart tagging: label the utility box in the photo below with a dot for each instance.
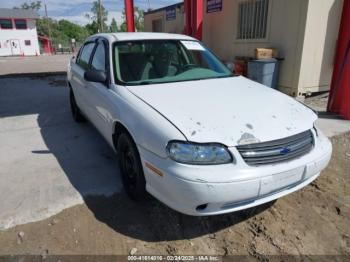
(264, 71)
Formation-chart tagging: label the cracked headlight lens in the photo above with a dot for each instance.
(198, 154)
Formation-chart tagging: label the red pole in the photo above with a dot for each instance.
(198, 19)
(49, 46)
(129, 12)
(194, 18)
(339, 97)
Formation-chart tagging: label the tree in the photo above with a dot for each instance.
(99, 16)
(139, 20)
(113, 27)
(73, 31)
(33, 5)
(92, 28)
(61, 32)
(43, 24)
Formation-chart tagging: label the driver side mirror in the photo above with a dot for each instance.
(94, 75)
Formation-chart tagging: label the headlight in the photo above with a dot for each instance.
(198, 154)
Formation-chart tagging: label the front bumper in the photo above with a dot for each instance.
(231, 187)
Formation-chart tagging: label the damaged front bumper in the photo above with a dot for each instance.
(212, 190)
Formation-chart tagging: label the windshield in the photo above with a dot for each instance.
(164, 61)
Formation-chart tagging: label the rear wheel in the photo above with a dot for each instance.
(76, 113)
(131, 168)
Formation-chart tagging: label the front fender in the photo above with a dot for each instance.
(148, 127)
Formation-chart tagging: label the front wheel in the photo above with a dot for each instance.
(131, 168)
(76, 113)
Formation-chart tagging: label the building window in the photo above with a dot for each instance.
(252, 19)
(5, 23)
(27, 42)
(21, 23)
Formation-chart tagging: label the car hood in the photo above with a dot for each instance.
(232, 111)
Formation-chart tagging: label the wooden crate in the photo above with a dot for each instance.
(265, 53)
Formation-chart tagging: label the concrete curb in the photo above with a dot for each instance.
(38, 74)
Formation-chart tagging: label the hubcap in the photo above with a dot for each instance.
(129, 166)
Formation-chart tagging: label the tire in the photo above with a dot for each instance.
(76, 113)
(131, 168)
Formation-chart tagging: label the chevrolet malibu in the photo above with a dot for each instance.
(198, 138)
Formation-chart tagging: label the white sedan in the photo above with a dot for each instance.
(198, 138)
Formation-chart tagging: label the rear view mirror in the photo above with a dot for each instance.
(95, 76)
(230, 66)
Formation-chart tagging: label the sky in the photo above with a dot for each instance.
(75, 10)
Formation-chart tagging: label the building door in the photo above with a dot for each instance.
(157, 25)
(15, 47)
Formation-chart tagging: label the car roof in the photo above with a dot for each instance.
(112, 37)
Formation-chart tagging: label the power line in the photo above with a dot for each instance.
(100, 15)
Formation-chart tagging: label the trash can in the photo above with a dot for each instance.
(264, 71)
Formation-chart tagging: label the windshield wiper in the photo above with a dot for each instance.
(214, 77)
(224, 76)
(148, 82)
(141, 83)
(145, 82)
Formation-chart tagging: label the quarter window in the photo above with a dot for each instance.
(99, 60)
(21, 23)
(252, 19)
(84, 58)
(6, 24)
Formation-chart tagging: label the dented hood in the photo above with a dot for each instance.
(230, 111)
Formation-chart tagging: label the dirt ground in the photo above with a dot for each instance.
(318, 102)
(312, 221)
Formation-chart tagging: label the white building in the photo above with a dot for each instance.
(18, 35)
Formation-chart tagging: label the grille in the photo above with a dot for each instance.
(277, 151)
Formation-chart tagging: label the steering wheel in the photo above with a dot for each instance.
(189, 66)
